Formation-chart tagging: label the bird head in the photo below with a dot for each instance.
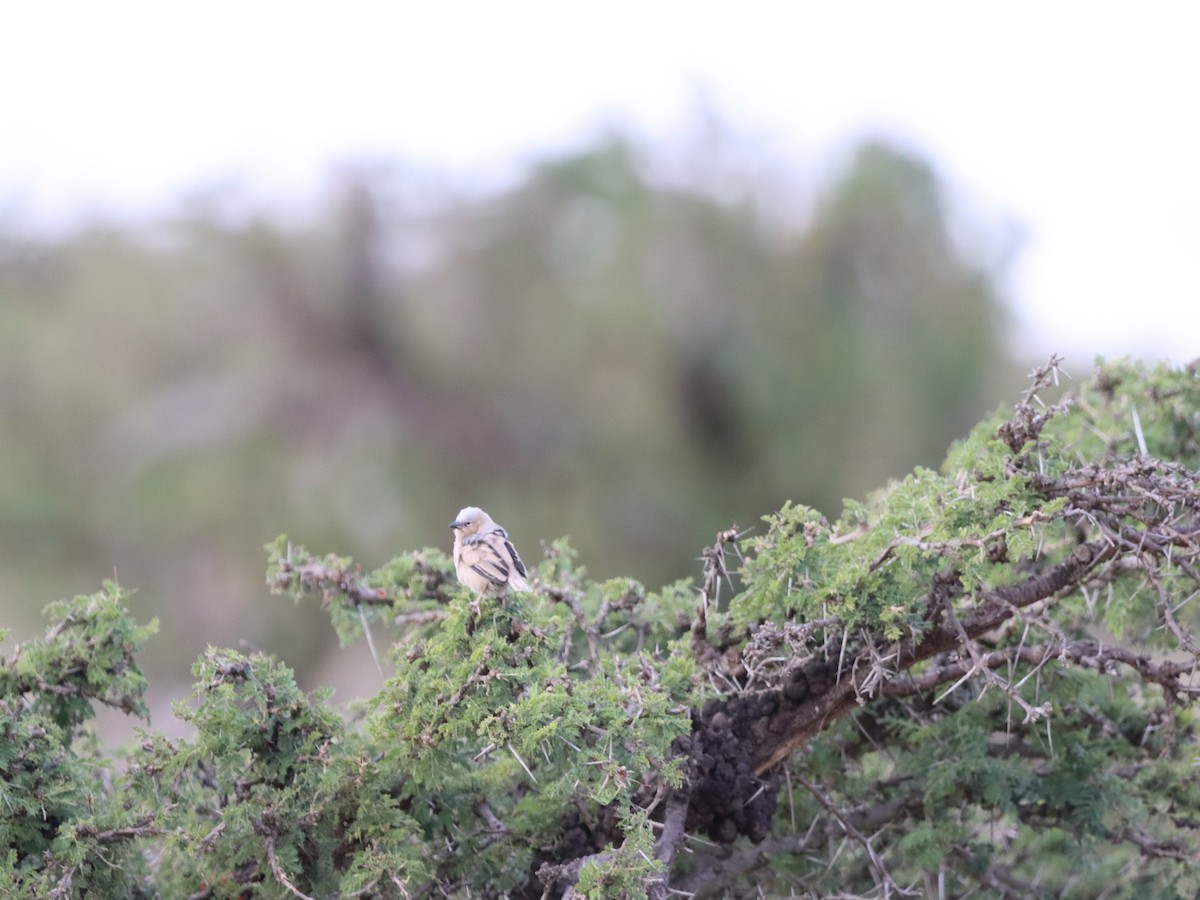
(469, 520)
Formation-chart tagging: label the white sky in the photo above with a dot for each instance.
(1077, 121)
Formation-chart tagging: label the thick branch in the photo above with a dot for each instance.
(816, 711)
(1088, 654)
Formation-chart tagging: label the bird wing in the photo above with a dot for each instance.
(516, 578)
(492, 557)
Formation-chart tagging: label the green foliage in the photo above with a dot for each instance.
(625, 871)
(993, 792)
(514, 695)
(972, 724)
(87, 656)
(270, 770)
(64, 831)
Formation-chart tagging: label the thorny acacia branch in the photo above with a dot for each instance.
(1137, 517)
(1105, 500)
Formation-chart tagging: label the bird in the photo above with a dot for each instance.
(484, 558)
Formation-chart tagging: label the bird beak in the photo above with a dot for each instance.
(454, 526)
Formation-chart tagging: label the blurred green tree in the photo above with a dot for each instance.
(656, 360)
(598, 349)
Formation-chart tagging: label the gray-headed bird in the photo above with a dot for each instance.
(484, 558)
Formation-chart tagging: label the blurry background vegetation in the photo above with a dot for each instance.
(630, 352)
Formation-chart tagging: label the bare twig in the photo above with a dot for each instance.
(331, 581)
(277, 870)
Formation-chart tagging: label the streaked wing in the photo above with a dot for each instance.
(512, 555)
(481, 555)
